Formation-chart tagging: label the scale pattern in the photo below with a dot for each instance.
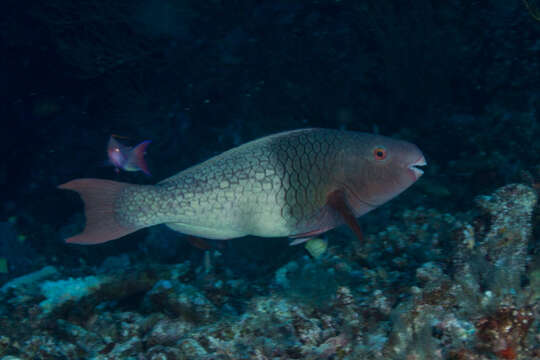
(266, 187)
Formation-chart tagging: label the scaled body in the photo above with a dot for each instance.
(296, 183)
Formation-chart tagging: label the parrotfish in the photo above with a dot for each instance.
(127, 158)
(297, 184)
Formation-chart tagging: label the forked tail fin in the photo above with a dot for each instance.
(136, 159)
(99, 197)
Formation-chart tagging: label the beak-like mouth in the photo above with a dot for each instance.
(413, 167)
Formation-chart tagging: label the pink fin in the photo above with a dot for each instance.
(99, 198)
(337, 201)
(136, 157)
(307, 235)
(335, 212)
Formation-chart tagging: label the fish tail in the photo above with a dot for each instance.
(99, 197)
(137, 157)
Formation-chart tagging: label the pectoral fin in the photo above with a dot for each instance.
(337, 201)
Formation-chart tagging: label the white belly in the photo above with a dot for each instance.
(261, 217)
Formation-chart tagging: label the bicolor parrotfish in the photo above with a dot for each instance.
(297, 184)
(127, 158)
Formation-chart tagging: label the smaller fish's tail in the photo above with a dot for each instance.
(99, 197)
(136, 158)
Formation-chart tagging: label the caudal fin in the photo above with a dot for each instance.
(137, 159)
(99, 198)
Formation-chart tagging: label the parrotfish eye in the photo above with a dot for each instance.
(380, 153)
(116, 149)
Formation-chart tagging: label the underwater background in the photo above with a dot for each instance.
(450, 269)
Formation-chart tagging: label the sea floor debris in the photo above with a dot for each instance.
(430, 286)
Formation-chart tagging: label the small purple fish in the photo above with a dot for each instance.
(128, 158)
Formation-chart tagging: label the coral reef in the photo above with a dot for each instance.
(342, 305)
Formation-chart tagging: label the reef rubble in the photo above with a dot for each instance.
(428, 286)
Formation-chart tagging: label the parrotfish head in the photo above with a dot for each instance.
(378, 168)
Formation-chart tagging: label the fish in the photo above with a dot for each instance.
(316, 247)
(297, 184)
(127, 158)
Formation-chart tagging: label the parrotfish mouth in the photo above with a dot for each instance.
(415, 170)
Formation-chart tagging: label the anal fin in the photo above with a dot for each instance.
(300, 240)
